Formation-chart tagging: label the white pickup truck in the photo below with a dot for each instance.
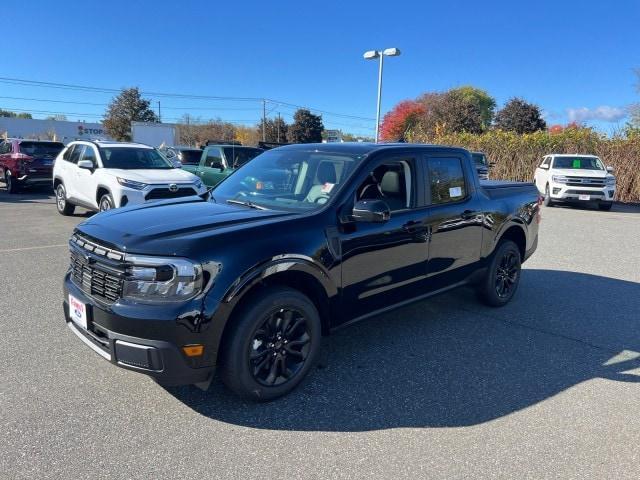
(575, 179)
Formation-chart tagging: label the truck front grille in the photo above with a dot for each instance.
(97, 270)
(585, 182)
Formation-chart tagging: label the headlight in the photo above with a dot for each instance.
(611, 180)
(559, 179)
(160, 280)
(131, 183)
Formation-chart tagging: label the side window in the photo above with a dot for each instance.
(76, 153)
(390, 182)
(67, 153)
(3, 148)
(213, 158)
(446, 179)
(89, 154)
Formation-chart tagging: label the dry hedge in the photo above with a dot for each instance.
(516, 156)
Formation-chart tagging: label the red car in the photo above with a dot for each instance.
(27, 162)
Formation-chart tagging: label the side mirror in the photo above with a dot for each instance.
(88, 164)
(609, 169)
(544, 167)
(372, 211)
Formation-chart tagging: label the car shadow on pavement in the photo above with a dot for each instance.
(451, 362)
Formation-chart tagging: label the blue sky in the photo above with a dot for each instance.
(575, 59)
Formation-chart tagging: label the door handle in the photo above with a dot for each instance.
(413, 226)
(468, 214)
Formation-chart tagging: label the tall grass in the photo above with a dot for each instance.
(517, 156)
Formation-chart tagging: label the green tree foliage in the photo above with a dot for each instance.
(306, 127)
(450, 112)
(520, 116)
(127, 107)
(275, 130)
(481, 99)
(10, 114)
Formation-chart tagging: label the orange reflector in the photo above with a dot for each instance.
(193, 350)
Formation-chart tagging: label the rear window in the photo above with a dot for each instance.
(41, 149)
(190, 157)
(238, 156)
(479, 159)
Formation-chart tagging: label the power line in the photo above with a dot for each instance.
(23, 82)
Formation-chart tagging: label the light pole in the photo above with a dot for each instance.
(372, 55)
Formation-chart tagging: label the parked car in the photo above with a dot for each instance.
(217, 162)
(575, 179)
(482, 165)
(105, 175)
(249, 280)
(27, 162)
(180, 156)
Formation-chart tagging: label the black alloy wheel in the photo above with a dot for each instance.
(507, 274)
(280, 347)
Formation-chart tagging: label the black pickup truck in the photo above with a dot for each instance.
(296, 243)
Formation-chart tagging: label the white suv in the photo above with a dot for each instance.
(575, 179)
(105, 175)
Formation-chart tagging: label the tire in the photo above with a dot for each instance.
(12, 185)
(501, 280)
(605, 206)
(267, 329)
(106, 203)
(547, 197)
(63, 205)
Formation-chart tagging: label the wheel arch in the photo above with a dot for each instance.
(100, 191)
(516, 233)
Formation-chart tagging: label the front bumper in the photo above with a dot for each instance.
(160, 358)
(125, 196)
(568, 193)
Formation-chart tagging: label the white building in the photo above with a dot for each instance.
(59, 130)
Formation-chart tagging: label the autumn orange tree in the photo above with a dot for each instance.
(402, 118)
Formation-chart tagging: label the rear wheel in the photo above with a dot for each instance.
(501, 280)
(62, 204)
(272, 345)
(547, 197)
(605, 206)
(12, 184)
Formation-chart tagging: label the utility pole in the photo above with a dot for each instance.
(264, 120)
(279, 127)
(159, 113)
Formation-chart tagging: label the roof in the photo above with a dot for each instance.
(572, 155)
(362, 148)
(112, 144)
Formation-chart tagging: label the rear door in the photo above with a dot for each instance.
(455, 218)
(70, 175)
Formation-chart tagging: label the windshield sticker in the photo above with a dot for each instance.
(576, 163)
(327, 187)
(455, 192)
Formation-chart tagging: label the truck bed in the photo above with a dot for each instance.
(504, 188)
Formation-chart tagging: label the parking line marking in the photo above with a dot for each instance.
(33, 248)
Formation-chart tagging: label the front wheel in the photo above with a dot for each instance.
(547, 197)
(272, 345)
(106, 202)
(501, 280)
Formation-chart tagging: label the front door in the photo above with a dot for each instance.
(385, 263)
(212, 168)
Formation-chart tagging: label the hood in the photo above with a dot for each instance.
(171, 227)
(572, 172)
(172, 175)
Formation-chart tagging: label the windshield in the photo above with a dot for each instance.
(41, 149)
(288, 179)
(578, 163)
(189, 157)
(238, 156)
(133, 158)
(479, 159)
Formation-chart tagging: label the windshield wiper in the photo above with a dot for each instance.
(247, 204)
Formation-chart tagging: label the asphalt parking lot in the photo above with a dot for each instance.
(547, 387)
